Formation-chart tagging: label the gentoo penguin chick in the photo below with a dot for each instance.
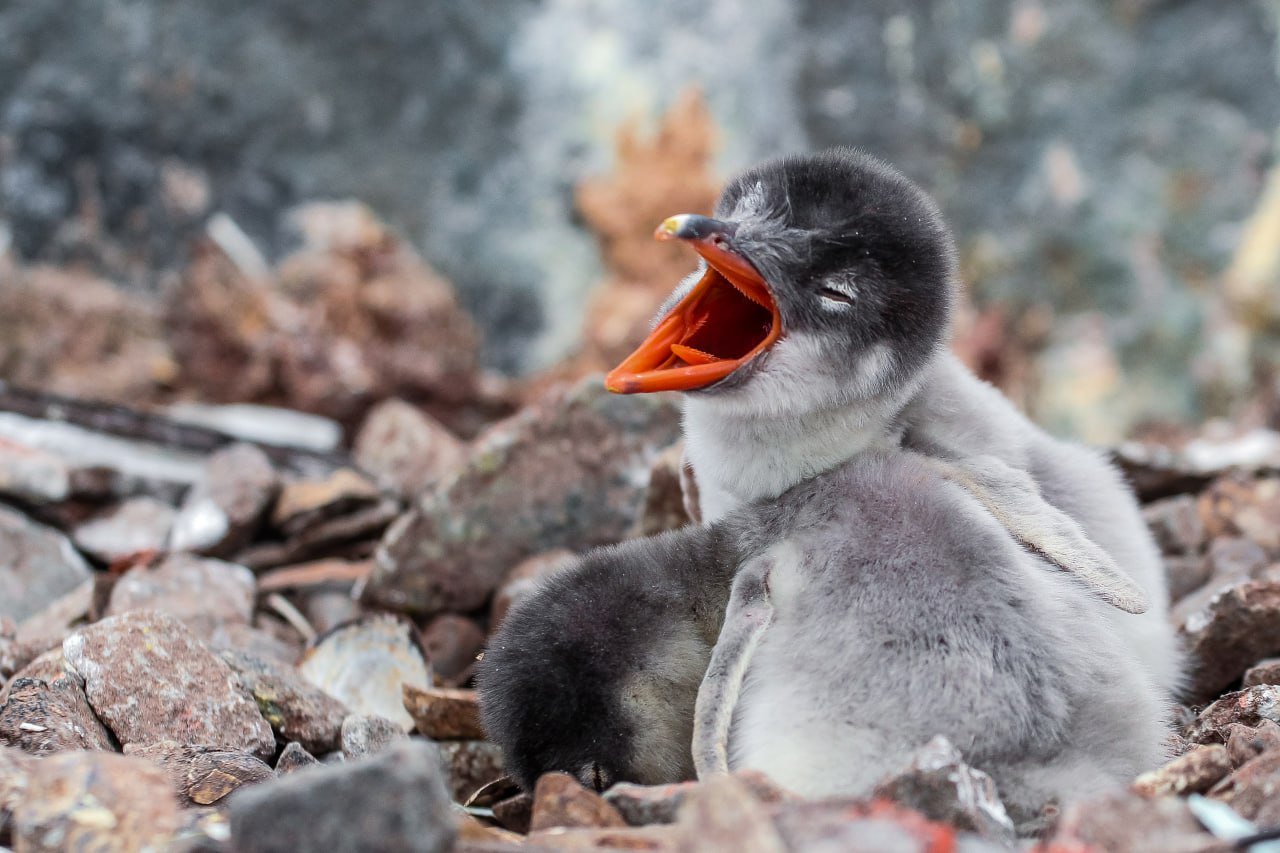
(873, 607)
(816, 329)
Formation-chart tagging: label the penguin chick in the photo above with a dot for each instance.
(884, 605)
(596, 673)
(815, 330)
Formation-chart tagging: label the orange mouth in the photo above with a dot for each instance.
(726, 320)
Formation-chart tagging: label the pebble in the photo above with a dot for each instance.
(366, 734)
(201, 592)
(296, 709)
(1237, 627)
(224, 509)
(136, 526)
(559, 800)
(203, 775)
(37, 565)
(443, 713)
(47, 716)
(405, 449)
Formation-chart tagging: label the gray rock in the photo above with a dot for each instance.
(137, 525)
(33, 475)
(1176, 524)
(366, 734)
(203, 593)
(263, 424)
(223, 510)
(568, 471)
(37, 565)
(296, 709)
(149, 679)
(394, 800)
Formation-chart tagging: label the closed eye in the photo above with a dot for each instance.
(838, 295)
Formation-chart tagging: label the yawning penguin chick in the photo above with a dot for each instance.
(816, 329)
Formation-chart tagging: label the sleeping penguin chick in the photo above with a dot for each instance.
(816, 329)
(884, 605)
(595, 673)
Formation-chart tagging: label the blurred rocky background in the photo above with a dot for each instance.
(302, 309)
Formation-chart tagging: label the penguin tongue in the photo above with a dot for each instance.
(726, 320)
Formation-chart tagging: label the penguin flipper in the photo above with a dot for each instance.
(1014, 499)
(749, 613)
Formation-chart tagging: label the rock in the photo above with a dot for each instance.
(95, 801)
(46, 629)
(320, 574)
(522, 580)
(303, 504)
(721, 814)
(870, 826)
(515, 813)
(1263, 672)
(406, 450)
(1176, 524)
(1253, 789)
(1245, 743)
(453, 643)
(442, 713)
(1249, 707)
(1235, 558)
(32, 475)
(201, 592)
(665, 502)
(296, 709)
(365, 734)
(223, 510)
(15, 770)
(1239, 626)
(352, 536)
(1240, 505)
(138, 525)
(1194, 772)
(568, 471)
(394, 800)
(148, 679)
(642, 805)
(559, 800)
(47, 666)
(203, 775)
(266, 644)
(42, 717)
(939, 785)
(1186, 574)
(294, 757)
(327, 608)
(263, 424)
(1125, 822)
(365, 663)
(470, 765)
(37, 565)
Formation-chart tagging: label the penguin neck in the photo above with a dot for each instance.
(739, 457)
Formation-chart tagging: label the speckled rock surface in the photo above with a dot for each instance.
(405, 449)
(1239, 626)
(96, 801)
(1249, 707)
(296, 709)
(294, 757)
(567, 472)
(203, 775)
(560, 800)
(366, 734)
(223, 509)
(149, 678)
(470, 765)
(37, 564)
(203, 593)
(1193, 772)
(47, 716)
(394, 800)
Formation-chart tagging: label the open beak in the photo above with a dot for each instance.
(726, 320)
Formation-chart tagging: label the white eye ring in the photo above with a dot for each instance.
(838, 294)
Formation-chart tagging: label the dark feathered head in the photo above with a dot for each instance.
(831, 274)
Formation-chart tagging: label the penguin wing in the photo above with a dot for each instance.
(1014, 499)
(747, 617)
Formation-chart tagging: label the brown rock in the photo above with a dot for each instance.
(203, 775)
(351, 536)
(1235, 558)
(138, 525)
(37, 565)
(938, 784)
(470, 765)
(443, 713)
(364, 664)
(559, 800)
(1186, 574)
(1194, 772)
(366, 734)
(294, 757)
(148, 679)
(1245, 743)
(45, 630)
(15, 769)
(1176, 524)
(722, 815)
(665, 501)
(514, 813)
(406, 450)
(1125, 822)
(46, 666)
(642, 805)
(273, 645)
(1239, 626)
(1249, 707)
(1253, 789)
(568, 471)
(223, 510)
(453, 643)
(96, 801)
(1238, 504)
(303, 504)
(201, 592)
(326, 609)
(654, 839)
(523, 579)
(859, 825)
(42, 717)
(1263, 672)
(296, 709)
